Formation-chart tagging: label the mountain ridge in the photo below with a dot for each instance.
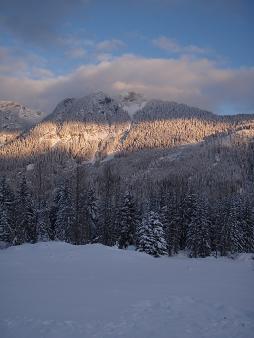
(98, 126)
(15, 119)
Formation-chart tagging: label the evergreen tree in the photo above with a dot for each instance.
(7, 202)
(53, 213)
(198, 234)
(231, 237)
(170, 219)
(26, 220)
(218, 219)
(106, 232)
(91, 214)
(117, 218)
(221, 227)
(154, 197)
(4, 225)
(80, 233)
(106, 226)
(186, 210)
(144, 236)
(248, 226)
(128, 221)
(65, 217)
(43, 223)
(151, 236)
(232, 232)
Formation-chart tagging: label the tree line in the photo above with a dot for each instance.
(163, 223)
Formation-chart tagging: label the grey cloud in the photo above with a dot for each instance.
(37, 21)
(197, 82)
(19, 62)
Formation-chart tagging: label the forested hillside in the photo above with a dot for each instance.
(166, 177)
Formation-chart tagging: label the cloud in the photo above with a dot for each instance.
(76, 53)
(9, 64)
(21, 63)
(110, 45)
(198, 82)
(41, 73)
(104, 57)
(173, 46)
(35, 21)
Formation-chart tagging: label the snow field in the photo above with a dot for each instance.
(57, 290)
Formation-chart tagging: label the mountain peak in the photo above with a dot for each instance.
(95, 107)
(15, 116)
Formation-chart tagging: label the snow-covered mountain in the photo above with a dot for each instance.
(102, 108)
(16, 118)
(139, 134)
(97, 107)
(159, 109)
(98, 127)
(102, 126)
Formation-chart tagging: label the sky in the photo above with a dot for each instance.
(198, 52)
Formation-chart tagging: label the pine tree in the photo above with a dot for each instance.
(117, 218)
(43, 223)
(234, 226)
(128, 221)
(169, 216)
(186, 210)
(248, 226)
(4, 225)
(198, 234)
(231, 239)
(26, 220)
(159, 235)
(221, 237)
(106, 233)
(91, 214)
(65, 217)
(53, 213)
(106, 226)
(151, 236)
(7, 201)
(218, 219)
(144, 236)
(79, 235)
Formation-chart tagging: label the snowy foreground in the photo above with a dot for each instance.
(58, 290)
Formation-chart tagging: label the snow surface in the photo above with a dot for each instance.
(56, 290)
(132, 108)
(30, 167)
(131, 102)
(17, 116)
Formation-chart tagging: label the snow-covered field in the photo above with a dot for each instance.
(56, 290)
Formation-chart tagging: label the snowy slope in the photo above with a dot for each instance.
(14, 119)
(56, 290)
(15, 116)
(159, 109)
(131, 102)
(96, 107)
